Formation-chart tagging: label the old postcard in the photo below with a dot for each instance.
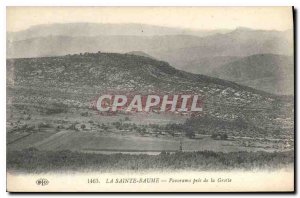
(150, 99)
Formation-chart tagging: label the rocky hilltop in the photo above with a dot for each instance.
(74, 80)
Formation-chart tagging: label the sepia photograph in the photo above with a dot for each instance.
(150, 99)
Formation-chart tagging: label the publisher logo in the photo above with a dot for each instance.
(42, 182)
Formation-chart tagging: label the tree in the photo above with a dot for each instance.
(118, 125)
(214, 136)
(189, 132)
(224, 136)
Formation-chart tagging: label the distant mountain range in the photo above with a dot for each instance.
(200, 52)
(269, 72)
(177, 46)
(98, 29)
(240, 42)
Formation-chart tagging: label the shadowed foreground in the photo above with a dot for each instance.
(34, 161)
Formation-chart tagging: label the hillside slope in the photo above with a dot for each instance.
(76, 79)
(269, 72)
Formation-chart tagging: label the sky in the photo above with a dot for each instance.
(205, 18)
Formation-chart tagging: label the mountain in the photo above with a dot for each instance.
(182, 48)
(205, 65)
(98, 29)
(202, 54)
(63, 45)
(238, 43)
(74, 80)
(269, 72)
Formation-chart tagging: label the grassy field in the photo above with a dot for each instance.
(55, 133)
(115, 142)
(35, 161)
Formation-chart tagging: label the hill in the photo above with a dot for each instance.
(181, 48)
(269, 72)
(205, 65)
(74, 80)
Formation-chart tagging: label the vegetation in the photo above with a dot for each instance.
(66, 84)
(33, 160)
(56, 108)
(221, 136)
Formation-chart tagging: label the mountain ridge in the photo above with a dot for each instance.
(97, 29)
(269, 72)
